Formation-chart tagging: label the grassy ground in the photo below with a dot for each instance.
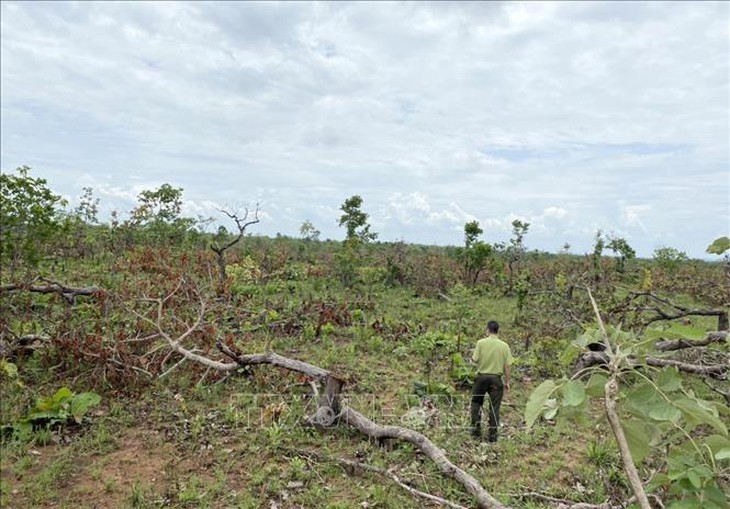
(240, 442)
(191, 440)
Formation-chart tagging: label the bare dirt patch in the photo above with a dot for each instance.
(143, 459)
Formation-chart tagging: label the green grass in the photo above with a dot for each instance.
(242, 441)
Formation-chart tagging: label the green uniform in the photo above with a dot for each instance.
(492, 356)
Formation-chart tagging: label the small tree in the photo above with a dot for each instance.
(598, 245)
(622, 250)
(516, 251)
(475, 254)
(158, 213)
(222, 244)
(80, 223)
(28, 216)
(721, 246)
(669, 258)
(308, 231)
(356, 223)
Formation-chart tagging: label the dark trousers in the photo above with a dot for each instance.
(492, 385)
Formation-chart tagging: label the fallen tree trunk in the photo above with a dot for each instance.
(373, 430)
(658, 305)
(678, 344)
(589, 359)
(715, 370)
(68, 292)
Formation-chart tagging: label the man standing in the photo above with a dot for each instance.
(493, 359)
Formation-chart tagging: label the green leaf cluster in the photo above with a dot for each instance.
(61, 408)
(28, 216)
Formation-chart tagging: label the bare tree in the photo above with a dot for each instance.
(241, 223)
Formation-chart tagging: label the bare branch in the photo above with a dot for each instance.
(678, 344)
(715, 370)
(675, 310)
(68, 292)
(276, 360)
(422, 443)
(241, 223)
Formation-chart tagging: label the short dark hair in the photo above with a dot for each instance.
(493, 327)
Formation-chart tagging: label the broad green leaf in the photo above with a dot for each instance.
(537, 399)
(588, 337)
(641, 399)
(664, 411)
(596, 385)
(43, 416)
(81, 404)
(637, 438)
(574, 393)
(62, 395)
(669, 379)
(716, 443)
(694, 478)
(714, 498)
(723, 454)
(551, 408)
(695, 413)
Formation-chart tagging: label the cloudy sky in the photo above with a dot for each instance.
(572, 116)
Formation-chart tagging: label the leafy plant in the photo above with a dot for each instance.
(61, 408)
(646, 409)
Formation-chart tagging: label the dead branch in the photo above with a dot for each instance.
(373, 430)
(678, 344)
(328, 412)
(67, 292)
(561, 503)
(658, 305)
(356, 465)
(589, 359)
(276, 360)
(176, 344)
(714, 370)
(241, 223)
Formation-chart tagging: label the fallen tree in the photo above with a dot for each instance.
(68, 292)
(662, 309)
(669, 345)
(589, 359)
(329, 412)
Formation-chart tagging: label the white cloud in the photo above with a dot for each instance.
(631, 215)
(566, 114)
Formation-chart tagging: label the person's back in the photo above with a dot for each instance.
(493, 359)
(491, 355)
